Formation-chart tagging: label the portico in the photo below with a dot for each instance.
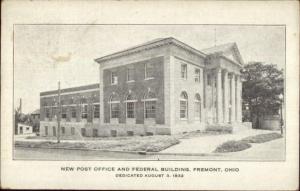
(223, 96)
(223, 86)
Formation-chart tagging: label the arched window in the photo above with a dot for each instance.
(183, 105)
(114, 106)
(197, 107)
(150, 105)
(130, 106)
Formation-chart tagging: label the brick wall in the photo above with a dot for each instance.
(138, 88)
(68, 102)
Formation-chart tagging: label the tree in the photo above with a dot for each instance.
(262, 85)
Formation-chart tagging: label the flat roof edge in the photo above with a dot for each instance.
(71, 89)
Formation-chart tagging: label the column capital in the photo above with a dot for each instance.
(217, 70)
(231, 75)
(225, 71)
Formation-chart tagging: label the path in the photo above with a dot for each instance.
(207, 144)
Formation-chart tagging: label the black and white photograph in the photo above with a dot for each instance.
(149, 92)
(149, 95)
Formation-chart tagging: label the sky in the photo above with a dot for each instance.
(46, 54)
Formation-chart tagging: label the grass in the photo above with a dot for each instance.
(220, 129)
(262, 138)
(137, 143)
(198, 133)
(234, 146)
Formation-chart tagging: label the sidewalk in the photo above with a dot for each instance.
(272, 150)
(207, 144)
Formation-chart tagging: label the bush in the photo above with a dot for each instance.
(232, 146)
(220, 129)
(262, 138)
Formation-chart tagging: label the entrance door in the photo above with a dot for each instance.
(21, 130)
(83, 132)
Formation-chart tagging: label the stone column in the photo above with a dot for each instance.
(232, 98)
(101, 117)
(202, 94)
(238, 99)
(212, 108)
(204, 112)
(226, 97)
(219, 97)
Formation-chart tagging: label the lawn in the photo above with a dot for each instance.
(234, 146)
(137, 143)
(262, 138)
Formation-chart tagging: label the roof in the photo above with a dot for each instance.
(223, 49)
(24, 124)
(35, 112)
(150, 44)
(219, 48)
(72, 89)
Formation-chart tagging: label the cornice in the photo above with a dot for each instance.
(163, 42)
(231, 61)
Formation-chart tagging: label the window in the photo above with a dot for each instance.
(130, 74)
(27, 128)
(73, 112)
(150, 105)
(114, 106)
(64, 113)
(114, 78)
(63, 130)
(46, 130)
(197, 107)
(183, 105)
(95, 132)
(150, 109)
(183, 71)
(72, 131)
(149, 70)
(54, 130)
(197, 75)
(96, 111)
(130, 106)
(130, 109)
(215, 82)
(84, 112)
(47, 113)
(83, 132)
(53, 112)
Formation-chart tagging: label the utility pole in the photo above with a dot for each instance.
(58, 114)
(215, 37)
(20, 107)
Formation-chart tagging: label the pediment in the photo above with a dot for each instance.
(230, 51)
(234, 55)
